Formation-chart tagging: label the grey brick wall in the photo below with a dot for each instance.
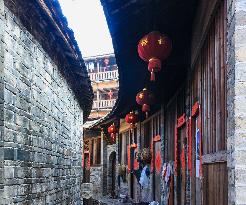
(236, 100)
(1, 106)
(96, 177)
(40, 150)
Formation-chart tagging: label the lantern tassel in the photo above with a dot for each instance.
(131, 127)
(152, 76)
(146, 115)
(145, 108)
(112, 137)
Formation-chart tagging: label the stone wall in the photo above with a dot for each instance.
(41, 147)
(96, 180)
(236, 100)
(1, 104)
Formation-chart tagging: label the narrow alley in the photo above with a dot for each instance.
(117, 102)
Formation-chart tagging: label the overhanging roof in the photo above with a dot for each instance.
(45, 21)
(128, 21)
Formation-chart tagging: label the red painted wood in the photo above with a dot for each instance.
(181, 121)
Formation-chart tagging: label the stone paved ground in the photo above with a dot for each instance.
(109, 201)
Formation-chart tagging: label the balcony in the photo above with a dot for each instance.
(101, 76)
(103, 104)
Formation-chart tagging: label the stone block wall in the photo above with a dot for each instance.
(236, 100)
(1, 102)
(40, 123)
(96, 180)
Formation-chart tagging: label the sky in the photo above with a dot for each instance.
(86, 18)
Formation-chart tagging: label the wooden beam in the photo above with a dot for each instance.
(220, 156)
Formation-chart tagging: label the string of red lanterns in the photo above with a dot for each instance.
(131, 118)
(152, 48)
(112, 130)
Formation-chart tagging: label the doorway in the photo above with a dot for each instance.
(112, 174)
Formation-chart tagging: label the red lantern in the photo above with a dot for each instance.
(131, 119)
(112, 130)
(110, 94)
(154, 48)
(145, 98)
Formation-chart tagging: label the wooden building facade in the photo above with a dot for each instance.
(195, 130)
(103, 73)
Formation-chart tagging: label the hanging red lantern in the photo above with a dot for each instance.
(112, 130)
(145, 98)
(154, 48)
(110, 94)
(131, 119)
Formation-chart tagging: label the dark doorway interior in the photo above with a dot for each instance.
(112, 173)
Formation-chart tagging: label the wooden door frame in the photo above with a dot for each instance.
(155, 139)
(181, 122)
(195, 113)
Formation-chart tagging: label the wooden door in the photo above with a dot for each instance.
(215, 184)
(208, 90)
(180, 160)
(132, 157)
(156, 163)
(113, 168)
(195, 154)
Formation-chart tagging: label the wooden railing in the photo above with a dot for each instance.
(107, 75)
(104, 104)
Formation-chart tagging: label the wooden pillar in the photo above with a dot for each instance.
(104, 163)
(94, 141)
